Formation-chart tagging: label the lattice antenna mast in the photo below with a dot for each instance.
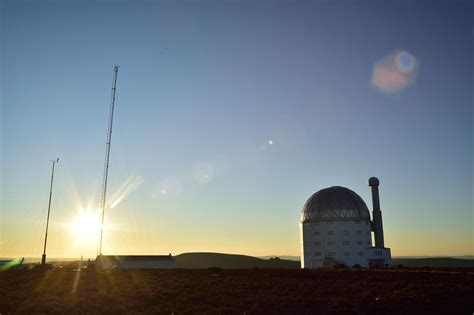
(43, 258)
(107, 156)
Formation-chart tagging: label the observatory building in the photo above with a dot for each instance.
(336, 229)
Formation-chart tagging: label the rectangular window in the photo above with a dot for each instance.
(347, 253)
(357, 222)
(359, 233)
(367, 233)
(360, 253)
(316, 233)
(346, 233)
(317, 254)
(331, 254)
(330, 232)
(359, 243)
(346, 243)
(330, 222)
(317, 243)
(331, 243)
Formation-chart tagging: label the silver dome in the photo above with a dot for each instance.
(335, 203)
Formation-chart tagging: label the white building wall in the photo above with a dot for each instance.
(380, 256)
(302, 253)
(343, 241)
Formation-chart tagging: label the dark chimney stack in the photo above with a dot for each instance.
(376, 213)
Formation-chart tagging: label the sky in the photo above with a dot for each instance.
(229, 115)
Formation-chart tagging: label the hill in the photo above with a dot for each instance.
(441, 262)
(231, 261)
(205, 260)
(294, 258)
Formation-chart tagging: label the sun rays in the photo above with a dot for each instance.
(86, 225)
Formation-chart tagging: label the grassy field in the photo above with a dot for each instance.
(236, 291)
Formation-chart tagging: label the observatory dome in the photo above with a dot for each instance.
(334, 203)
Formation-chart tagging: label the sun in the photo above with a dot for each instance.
(86, 225)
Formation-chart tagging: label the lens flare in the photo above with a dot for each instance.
(405, 61)
(266, 145)
(167, 188)
(203, 173)
(128, 187)
(394, 72)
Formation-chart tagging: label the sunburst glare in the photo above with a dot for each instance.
(86, 225)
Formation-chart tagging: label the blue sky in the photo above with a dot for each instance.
(202, 89)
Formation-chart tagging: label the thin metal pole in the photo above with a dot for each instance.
(43, 258)
(107, 156)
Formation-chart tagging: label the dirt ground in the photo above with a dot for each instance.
(236, 291)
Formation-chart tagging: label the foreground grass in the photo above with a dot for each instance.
(236, 291)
